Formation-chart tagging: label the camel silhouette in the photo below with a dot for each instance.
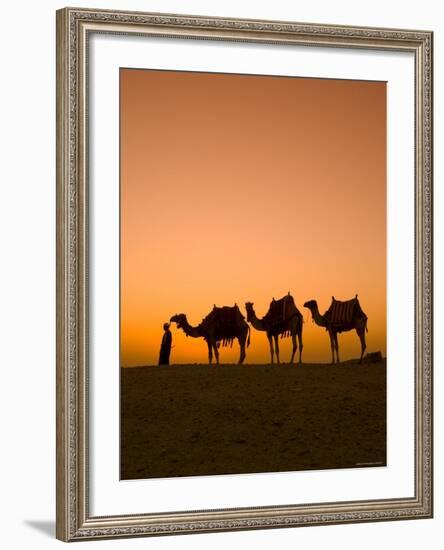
(340, 317)
(221, 325)
(283, 318)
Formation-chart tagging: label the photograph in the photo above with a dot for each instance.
(253, 224)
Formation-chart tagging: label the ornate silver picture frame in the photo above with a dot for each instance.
(75, 518)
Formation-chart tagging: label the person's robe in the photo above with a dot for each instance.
(165, 348)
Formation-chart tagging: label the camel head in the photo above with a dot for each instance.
(311, 304)
(179, 319)
(250, 310)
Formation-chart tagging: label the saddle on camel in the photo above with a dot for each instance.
(340, 314)
(279, 313)
(225, 321)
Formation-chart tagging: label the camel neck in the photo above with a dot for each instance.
(258, 324)
(317, 317)
(194, 332)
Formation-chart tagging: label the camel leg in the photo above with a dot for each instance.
(300, 346)
(216, 352)
(242, 354)
(276, 347)
(295, 347)
(270, 341)
(210, 353)
(332, 346)
(361, 333)
(242, 340)
(337, 347)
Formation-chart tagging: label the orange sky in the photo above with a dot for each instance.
(239, 188)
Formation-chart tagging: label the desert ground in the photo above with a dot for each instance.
(184, 420)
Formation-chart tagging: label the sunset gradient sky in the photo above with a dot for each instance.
(240, 188)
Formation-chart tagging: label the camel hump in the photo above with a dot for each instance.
(343, 312)
(223, 316)
(281, 310)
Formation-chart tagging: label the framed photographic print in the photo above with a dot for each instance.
(244, 315)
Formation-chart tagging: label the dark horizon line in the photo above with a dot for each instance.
(356, 360)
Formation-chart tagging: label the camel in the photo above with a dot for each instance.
(355, 319)
(222, 324)
(283, 318)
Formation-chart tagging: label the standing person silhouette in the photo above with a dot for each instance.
(165, 346)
